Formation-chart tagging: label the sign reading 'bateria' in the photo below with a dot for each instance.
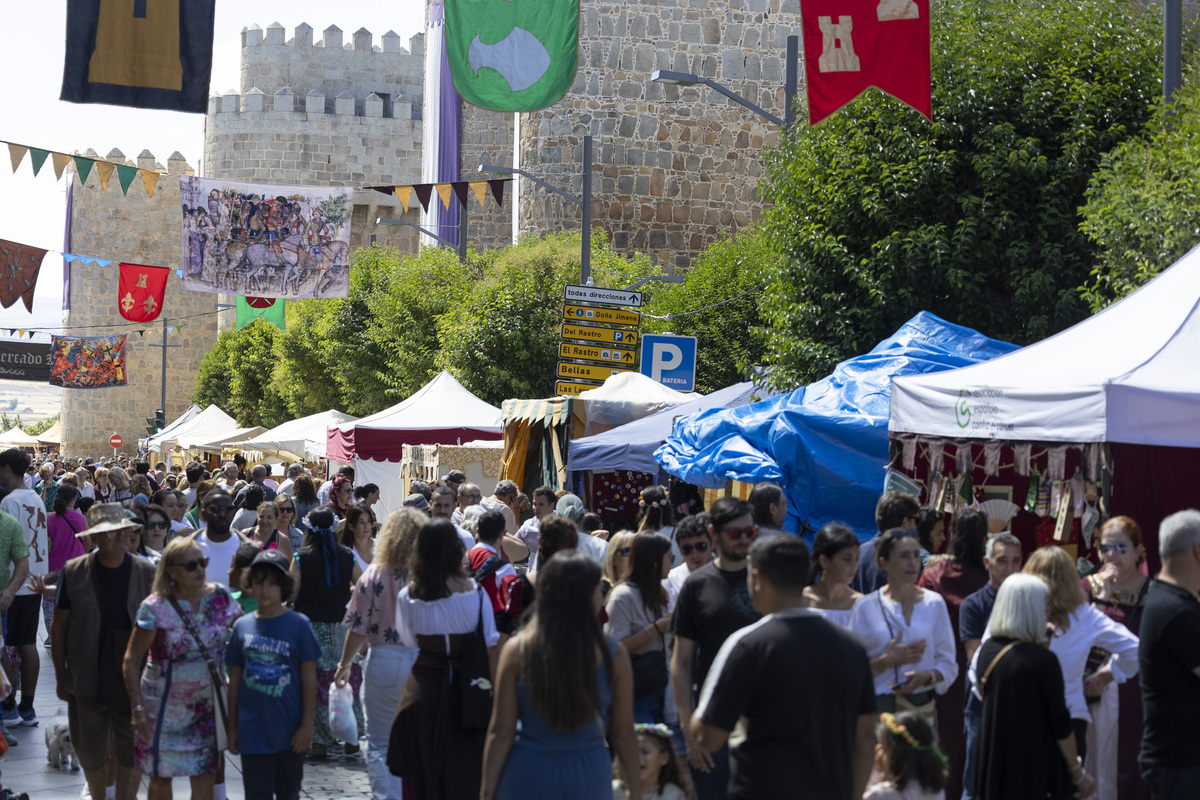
(20, 361)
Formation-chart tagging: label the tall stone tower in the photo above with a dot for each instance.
(140, 230)
(325, 113)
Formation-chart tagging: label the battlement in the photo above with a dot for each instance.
(284, 104)
(362, 40)
(176, 163)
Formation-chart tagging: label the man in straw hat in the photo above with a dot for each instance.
(97, 602)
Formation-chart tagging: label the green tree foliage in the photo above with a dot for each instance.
(881, 214)
(1143, 209)
(41, 426)
(238, 376)
(719, 305)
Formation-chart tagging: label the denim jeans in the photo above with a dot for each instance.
(971, 728)
(649, 709)
(384, 673)
(273, 776)
(1167, 783)
(713, 785)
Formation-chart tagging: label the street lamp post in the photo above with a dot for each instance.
(584, 203)
(461, 247)
(790, 86)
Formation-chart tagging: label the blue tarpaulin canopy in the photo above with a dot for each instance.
(825, 443)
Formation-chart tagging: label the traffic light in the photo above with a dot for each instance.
(151, 426)
(160, 419)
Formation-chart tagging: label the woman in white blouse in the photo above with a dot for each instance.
(1080, 627)
(906, 631)
(436, 613)
(834, 563)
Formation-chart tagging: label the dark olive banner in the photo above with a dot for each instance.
(22, 361)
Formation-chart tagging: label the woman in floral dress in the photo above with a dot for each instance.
(371, 621)
(174, 704)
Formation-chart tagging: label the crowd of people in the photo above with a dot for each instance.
(498, 646)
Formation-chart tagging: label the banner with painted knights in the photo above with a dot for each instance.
(852, 45)
(261, 240)
(87, 363)
(508, 56)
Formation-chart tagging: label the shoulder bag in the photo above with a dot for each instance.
(475, 676)
(992, 665)
(650, 670)
(220, 686)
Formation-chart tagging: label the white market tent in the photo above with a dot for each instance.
(625, 397)
(216, 445)
(1122, 387)
(15, 437)
(174, 425)
(52, 435)
(303, 439)
(205, 426)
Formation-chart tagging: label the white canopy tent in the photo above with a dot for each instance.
(301, 439)
(205, 426)
(625, 397)
(217, 444)
(174, 425)
(15, 437)
(1128, 374)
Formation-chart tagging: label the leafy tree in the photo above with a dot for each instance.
(719, 305)
(41, 426)
(237, 376)
(881, 214)
(213, 377)
(1143, 209)
(306, 381)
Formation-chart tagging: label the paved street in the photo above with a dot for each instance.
(24, 768)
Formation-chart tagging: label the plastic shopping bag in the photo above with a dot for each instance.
(341, 713)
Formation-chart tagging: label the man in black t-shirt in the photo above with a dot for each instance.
(1169, 664)
(713, 604)
(799, 689)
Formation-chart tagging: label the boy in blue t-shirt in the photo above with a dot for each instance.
(272, 658)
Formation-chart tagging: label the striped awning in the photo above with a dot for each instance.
(551, 411)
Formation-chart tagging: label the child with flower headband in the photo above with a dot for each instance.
(658, 770)
(908, 757)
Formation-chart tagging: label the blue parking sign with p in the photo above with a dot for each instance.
(670, 360)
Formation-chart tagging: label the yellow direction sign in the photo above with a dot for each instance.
(584, 352)
(590, 372)
(594, 333)
(572, 389)
(609, 316)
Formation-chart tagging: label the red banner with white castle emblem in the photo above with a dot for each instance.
(140, 291)
(852, 45)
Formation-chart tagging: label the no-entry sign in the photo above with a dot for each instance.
(115, 440)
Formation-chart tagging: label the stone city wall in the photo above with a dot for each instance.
(142, 230)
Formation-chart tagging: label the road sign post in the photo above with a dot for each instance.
(598, 294)
(670, 360)
(600, 335)
(115, 440)
(605, 316)
(590, 372)
(605, 355)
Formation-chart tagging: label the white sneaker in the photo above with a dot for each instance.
(86, 794)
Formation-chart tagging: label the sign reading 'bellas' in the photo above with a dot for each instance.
(852, 45)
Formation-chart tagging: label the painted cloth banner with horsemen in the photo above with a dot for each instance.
(265, 241)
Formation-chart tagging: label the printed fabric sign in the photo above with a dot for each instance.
(512, 56)
(20, 361)
(252, 308)
(79, 363)
(852, 45)
(19, 267)
(140, 53)
(140, 291)
(258, 240)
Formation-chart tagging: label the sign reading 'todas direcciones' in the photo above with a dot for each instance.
(598, 294)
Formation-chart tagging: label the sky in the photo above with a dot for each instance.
(32, 209)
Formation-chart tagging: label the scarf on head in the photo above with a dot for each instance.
(329, 553)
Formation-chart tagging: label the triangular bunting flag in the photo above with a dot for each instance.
(84, 167)
(20, 334)
(142, 332)
(460, 191)
(424, 191)
(497, 187)
(170, 329)
(60, 163)
(404, 195)
(16, 152)
(37, 158)
(105, 170)
(126, 174)
(480, 190)
(150, 179)
(179, 272)
(443, 190)
(251, 308)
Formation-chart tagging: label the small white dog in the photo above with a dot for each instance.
(58, 744)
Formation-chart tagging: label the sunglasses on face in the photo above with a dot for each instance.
(287, 510)
(737, 534)
(218, 510)
(158, 526)
(194, 564)
(699, 547)
(624, 551)
(1118, 547)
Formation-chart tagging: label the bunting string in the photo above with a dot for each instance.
(83, 165)
(458, 189)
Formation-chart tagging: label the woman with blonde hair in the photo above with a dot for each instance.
(616, 559)
(183, 625)
(119, 479)
(1078, 627)
(371, 624)
(86, 488)
(285, 520)
(102, 490)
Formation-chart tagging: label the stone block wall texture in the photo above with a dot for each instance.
(141, 230)
(487, 137)
(675, 166)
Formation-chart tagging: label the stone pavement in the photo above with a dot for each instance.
(24, 768)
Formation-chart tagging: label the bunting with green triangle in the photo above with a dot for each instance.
(251, 308)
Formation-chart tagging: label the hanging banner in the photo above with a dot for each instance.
(142, 54)
(87, 363)
(512, 56)
(852, 45)
(252, 308)
(288, 242)
(140, 291)
(19, 267)
(24, 362)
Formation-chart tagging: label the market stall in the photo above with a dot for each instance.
(304, 439)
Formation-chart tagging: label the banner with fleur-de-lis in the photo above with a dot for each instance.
(140, 291)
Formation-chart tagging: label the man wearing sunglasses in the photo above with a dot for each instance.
(216, 541)
(713, 604)
(695, 545)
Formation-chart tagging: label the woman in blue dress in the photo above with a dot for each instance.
(571, 690)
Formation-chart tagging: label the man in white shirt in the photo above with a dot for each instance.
(571, 507)
(229, 476)
(543, 504)
(441, 504)
(293, 472)
(468, 495)
(216, 541)
(695, 545)
(502, 500)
